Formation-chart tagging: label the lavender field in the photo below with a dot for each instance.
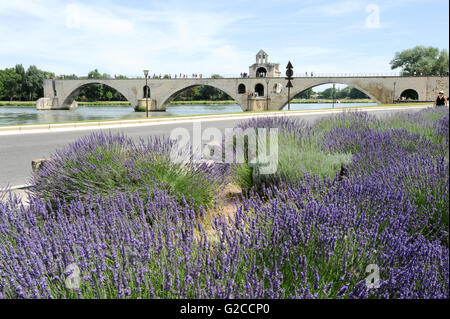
(350, 191)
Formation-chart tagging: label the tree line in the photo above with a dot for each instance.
(345, 93)
(20, 85)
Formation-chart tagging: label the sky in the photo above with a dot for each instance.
(125, 37)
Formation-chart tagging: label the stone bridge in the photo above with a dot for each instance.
(272, 93)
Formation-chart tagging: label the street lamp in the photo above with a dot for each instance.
(267, 95)
(146, 92)
(334, 93)
(393, 95)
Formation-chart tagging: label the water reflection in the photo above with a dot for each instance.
(19, 115)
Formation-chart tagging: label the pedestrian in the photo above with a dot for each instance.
(312, 74)
(306, 73)
(441, 100)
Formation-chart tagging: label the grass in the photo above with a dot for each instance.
(17, 103)
(33, 103)
(106, 103)
(298, 157)
(331, 101)
(202, 102)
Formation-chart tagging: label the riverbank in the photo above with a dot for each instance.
(112, 123)
(320, 101)
(33, 103)
(202, 102)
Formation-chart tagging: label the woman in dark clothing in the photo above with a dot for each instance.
(441, 100)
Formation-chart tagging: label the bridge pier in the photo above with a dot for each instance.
(53, 103)
(258, 104)
(152, 106)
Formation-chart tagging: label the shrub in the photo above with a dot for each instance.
(292, 245)
(103, 164)
(404, 161)
(310, 238)
(299, 154)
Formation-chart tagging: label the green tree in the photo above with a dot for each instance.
(11, 83)
(441, 66)
(34, 79)
(109, 95)
(344, 93)
(357, 94)
(305, 94)
(93, 92)
(2, 90)
(427, 59)
(19, 69)
(70, 77)
(94, 74)
(190, 94)
(326, 94)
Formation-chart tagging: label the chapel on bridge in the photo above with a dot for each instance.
(262, 68)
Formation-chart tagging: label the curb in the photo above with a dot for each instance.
(76, 126)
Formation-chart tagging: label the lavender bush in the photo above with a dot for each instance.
(297, 244)
(402, 160)
(312, 238)
(101, 164)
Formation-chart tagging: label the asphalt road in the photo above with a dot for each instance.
(17, 151)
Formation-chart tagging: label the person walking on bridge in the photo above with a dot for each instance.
(441, 100)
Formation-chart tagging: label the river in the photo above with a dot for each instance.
(18, 115)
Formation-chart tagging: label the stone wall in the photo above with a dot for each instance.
(163, 91)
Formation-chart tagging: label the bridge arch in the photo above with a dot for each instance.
(74, 92)
(173, 94)
(259, 88)
(261, 72)
(241, 88)
(410, 94)
(319, 83)
(146, 92)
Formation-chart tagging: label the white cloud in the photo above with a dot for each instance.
(95, 20)
(117, 39)
(173, 37)
(27, 7)
(333, 9)
(302, 52)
